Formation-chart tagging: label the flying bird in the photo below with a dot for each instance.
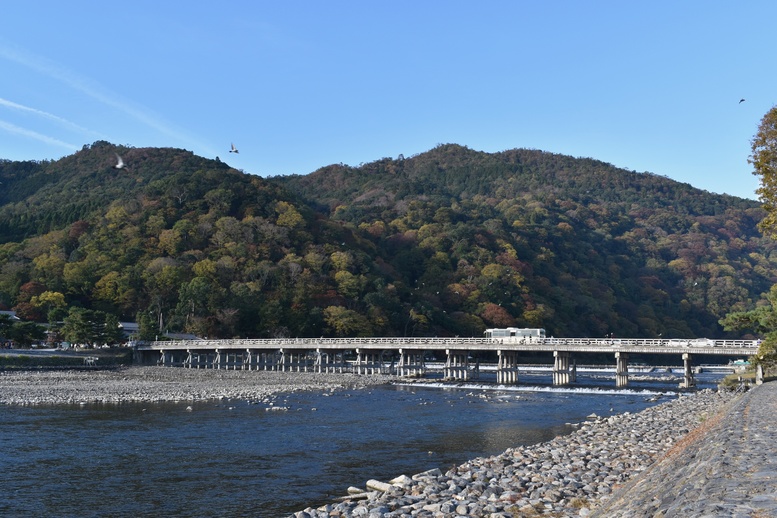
(741, 101)
(119, 162)
(234, 149)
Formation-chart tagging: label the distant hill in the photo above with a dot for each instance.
(447, 242)
(590, 249)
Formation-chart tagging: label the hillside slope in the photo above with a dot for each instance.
(590, 249)
(447, 242)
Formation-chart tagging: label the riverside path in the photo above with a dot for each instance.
(408, 356)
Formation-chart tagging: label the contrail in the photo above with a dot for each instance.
(46, 115)
(95, 91)
(10, 128)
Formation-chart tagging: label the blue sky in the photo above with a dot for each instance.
(297, 85)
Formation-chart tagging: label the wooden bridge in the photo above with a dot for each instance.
(407, 356)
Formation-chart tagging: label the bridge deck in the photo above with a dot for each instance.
(584, 345)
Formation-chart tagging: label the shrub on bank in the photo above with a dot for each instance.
(733, 381)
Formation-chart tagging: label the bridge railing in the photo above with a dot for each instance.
(450, 342)
(318, 342)
(652, 342)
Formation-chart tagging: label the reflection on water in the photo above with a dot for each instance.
(239, 459)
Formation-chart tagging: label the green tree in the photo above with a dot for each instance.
(6, 323)
(764, 161)
(288, 216)
(111, 332)
(27, 333)
(763, 319)
(48, 300)
(77, 326)
(345, 322)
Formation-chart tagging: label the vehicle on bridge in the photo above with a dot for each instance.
(516, 334)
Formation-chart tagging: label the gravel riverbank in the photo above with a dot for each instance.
(568, 476)
(156, 384)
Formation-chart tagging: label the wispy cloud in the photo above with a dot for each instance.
(45, 115)
(96, 92)
(11, 128)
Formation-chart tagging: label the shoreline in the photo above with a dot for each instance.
(570, 475)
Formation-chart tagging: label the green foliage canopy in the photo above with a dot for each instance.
(446, 242)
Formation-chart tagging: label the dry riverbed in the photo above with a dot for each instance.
(156, 384)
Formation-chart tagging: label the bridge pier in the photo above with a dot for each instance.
(172, 358)
(327, 362)
(269, 361)
(368, 362)
(456, 365)
(233, 360)
(621, 369)
(688, 380)
(561, 374)
(291, 362)
(507, 367)
(411, 363)
(198, 360)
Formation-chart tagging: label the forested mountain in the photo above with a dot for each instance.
(447, 242)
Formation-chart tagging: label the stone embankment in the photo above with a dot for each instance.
(157, 384)
(571, 475)
(726, 467)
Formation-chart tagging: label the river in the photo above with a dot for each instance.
(238, 458)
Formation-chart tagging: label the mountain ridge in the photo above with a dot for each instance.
(449, 241)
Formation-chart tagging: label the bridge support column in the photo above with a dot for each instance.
(688, 380)
(561, 368)
(621, 369)
(326, 361)
(368, 362)
(411, 363)
(295, 365)
(456, 365)
(272, 361)
(162, 358)
(507, 367)
(573, 372)
(299, 362)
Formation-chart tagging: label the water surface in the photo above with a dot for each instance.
(237, 458)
